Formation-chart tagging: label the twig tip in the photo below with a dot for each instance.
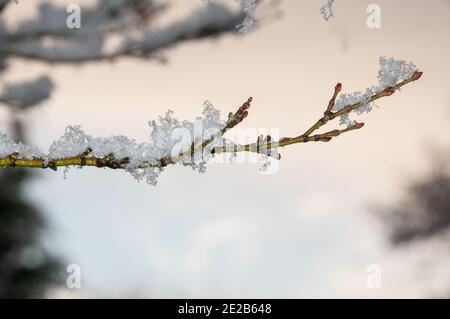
(417, 75)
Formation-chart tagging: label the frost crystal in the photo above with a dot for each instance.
(248, 8)
(248, 25)
(9, 147)
(327, 10)
(140, 157)
(391, 72)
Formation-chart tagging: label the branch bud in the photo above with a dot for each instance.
(348, 108)
(389, 91)
(416, 75)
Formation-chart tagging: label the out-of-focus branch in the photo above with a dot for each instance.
(24, 95)
(48, 39)
(4, 3)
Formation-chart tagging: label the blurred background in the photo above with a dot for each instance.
(371, 203)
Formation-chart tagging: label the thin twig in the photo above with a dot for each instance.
(264, 146)
(328, 116)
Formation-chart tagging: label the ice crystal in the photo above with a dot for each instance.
(327, 10)
(163, 140)
(9, 147)
(248, 8)
(248, 25)
(391, 72)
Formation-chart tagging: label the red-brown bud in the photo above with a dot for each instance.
(416, 75)
(389, 91)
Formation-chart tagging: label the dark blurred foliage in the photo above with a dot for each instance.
(26, 269)
(424, 212)
(422, 218)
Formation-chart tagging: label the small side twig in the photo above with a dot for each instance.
(328, 116)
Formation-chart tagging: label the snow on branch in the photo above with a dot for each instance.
(195, 143)
(248, 8)
(131, 24)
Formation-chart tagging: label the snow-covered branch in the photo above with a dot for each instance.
(129, 23)
(194, 143)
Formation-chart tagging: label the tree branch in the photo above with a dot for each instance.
(37, 40)
(328, 116)
(262, 146)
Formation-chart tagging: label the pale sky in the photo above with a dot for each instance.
(307, 230)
